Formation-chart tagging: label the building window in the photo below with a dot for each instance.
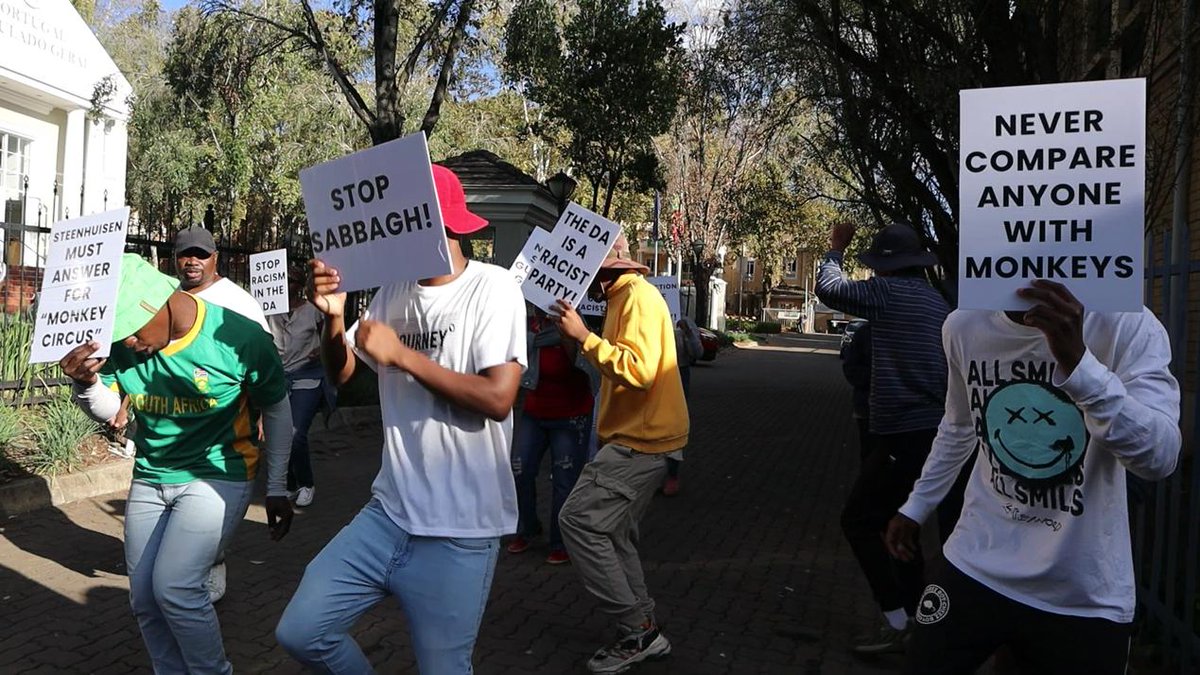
(14, 167)
(750, 268)
(789, 269)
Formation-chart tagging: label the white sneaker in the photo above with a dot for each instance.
(304, 496)
(216, 583)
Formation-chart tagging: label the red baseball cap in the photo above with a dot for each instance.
(453, 202)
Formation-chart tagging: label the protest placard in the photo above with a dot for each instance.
(564, 268)
(374, 217)
(534, 245)
(589, 307)
(269, 281)
(669, 287)
(1052, 186)
(79, 285)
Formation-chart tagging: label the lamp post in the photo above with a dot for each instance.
(697, 260)
(561, 187)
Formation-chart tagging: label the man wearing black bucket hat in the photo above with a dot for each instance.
(907, 399)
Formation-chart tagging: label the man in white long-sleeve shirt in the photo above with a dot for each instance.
(1060, 404)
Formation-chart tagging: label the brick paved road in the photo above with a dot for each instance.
(750, 545)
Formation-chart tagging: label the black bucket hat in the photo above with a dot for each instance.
(896, 247)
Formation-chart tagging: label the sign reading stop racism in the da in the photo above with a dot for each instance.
(567, 264)
(269, 282)
(374, 217)
(79, 285)
(1052, 186)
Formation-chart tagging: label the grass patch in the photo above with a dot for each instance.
(58, 431)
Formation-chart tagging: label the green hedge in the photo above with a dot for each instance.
(768, 327)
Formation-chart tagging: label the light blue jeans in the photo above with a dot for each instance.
(442, 584)
(172, 536)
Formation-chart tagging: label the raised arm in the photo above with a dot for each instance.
(336, 354)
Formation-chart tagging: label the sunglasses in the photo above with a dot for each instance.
(199, 254)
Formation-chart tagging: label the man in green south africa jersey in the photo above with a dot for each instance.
(198, 377)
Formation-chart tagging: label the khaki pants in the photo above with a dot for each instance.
(600, 528)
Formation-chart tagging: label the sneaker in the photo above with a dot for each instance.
(630, 649)
(216, 583)
(887, 641)
(558, 557)
(304, 496)
(671, 487)
(518, 544)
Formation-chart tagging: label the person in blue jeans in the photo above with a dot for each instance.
(556, 416)
(449, 352)
(298, 340)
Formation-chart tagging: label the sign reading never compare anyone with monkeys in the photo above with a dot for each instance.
(374, 216)
(79, 285)
(1052, 186)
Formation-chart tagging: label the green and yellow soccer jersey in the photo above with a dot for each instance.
(197, 400)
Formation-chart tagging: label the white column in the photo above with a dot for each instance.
(72, 166)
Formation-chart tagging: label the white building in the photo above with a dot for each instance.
(56, 159)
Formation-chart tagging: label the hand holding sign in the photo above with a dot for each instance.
(569, 323)
(79, 365)
(1060, 318)
(323, 282)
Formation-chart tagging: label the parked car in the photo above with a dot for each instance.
(850, 329)
(711, 344)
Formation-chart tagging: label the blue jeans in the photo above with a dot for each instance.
(172, 536)
(442, 584)
(567, 440)
(305, 404)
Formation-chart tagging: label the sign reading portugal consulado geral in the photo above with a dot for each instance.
(79, 285)
(374, 215)
(1052, 186)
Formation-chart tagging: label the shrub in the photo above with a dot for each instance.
(740, 324)
(768, 327)
(733, 336)
(10, 425)
(59, 429)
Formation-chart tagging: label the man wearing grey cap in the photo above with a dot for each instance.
(196, 266)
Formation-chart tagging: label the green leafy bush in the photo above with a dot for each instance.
(740, 324)
(730, 337)
(768, 327)
(59, 429)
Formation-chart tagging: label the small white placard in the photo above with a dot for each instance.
(669, 287)
(534, 245)
(589, 307)
(564, 268)
(374, 216)
(269, 281)
(1052, 186)
(79, 285)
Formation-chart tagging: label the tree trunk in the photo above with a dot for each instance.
(700, 276)
(389, 118)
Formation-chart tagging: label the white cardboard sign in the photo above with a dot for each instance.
(564, 268)
(537, 241)
(1052, 184)
(589, 307)
(669, 287)
(79, 285)
(269, 281)
(374, 215)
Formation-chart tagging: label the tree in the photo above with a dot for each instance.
(611, 79)
(884, 78)
(432, 33)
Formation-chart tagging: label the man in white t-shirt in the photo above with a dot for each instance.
(196, 259)
(1060, 403)
(449, 352)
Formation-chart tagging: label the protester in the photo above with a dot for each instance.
(907, 394)
(556, 415)
(298, 340)
(198, 377)
(1061, 402)
(196, 265)
(431, 532)
(643, 418)
(688, 350)
(856, 367)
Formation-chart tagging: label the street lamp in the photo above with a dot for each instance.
(698, 250)
(561, 187)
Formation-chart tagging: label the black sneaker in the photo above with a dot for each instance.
(630, 649)
(887, 641)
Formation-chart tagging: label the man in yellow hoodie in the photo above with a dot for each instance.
(643, 419)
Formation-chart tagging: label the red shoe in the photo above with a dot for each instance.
(518, 544)
(558, 557)
(671, 487)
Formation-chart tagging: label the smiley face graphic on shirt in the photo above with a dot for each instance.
(1035, 431)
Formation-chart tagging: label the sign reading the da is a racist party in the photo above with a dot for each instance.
(566, 265)
(269, 281)
(1052, 186)
(79, 285)
(374, 216)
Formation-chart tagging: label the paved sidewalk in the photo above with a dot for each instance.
(751, 545)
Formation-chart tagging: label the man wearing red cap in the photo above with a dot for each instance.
(643, 420)
(449, 352)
